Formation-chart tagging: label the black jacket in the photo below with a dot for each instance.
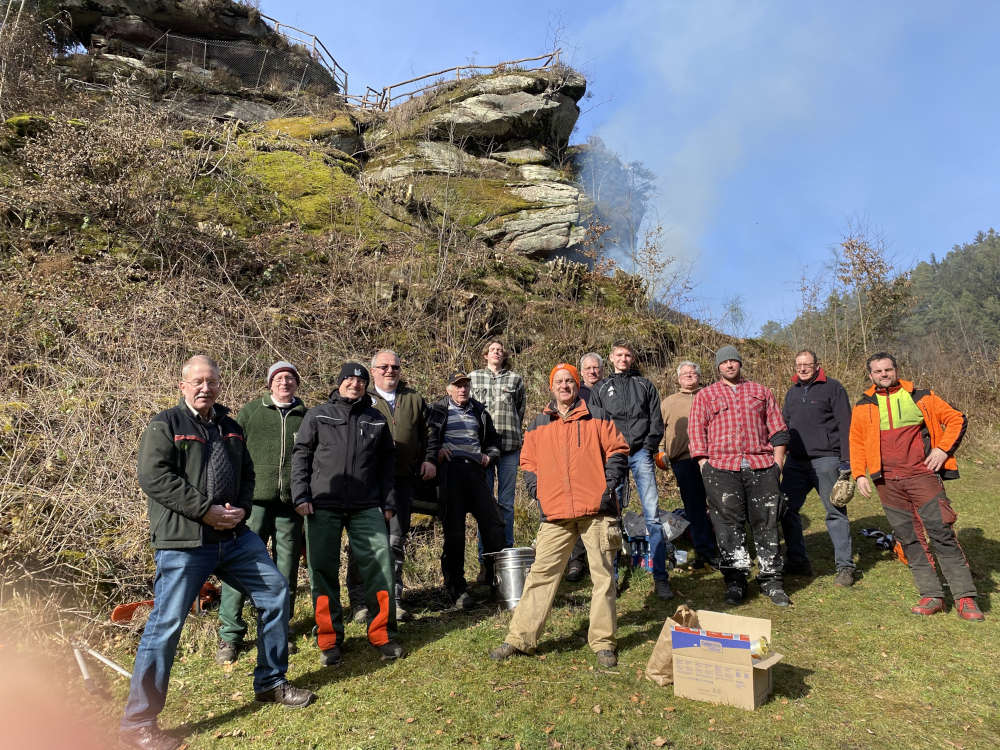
(343, 458)
(818, 415)
(633, 403)
(437, 421)
(173, 476)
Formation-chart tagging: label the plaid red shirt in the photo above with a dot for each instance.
(729, 424)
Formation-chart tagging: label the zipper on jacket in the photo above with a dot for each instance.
(281, 456)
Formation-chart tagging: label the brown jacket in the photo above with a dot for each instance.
(675, 409)
(573, 465)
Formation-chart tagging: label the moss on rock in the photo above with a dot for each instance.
(470, 200)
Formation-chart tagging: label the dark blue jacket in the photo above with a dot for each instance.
(818, 415)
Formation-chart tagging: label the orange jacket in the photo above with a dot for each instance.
(572, 466)
(943, 428)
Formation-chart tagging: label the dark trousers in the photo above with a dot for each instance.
(465, 489)
(736, 498)
(799, 477)
(398, 527)
(270, 521)
(924, 495)
(692, 490)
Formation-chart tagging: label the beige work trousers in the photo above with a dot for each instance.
(602, 537)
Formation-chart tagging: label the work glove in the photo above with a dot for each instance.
(843, 489)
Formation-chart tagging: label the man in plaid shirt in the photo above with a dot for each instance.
(502, 392)
(738, 437)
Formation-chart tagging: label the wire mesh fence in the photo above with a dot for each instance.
(254, 66)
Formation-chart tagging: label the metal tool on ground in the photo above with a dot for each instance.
(89, 683)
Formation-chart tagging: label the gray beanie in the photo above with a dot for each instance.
(281, 366)
(727, 352)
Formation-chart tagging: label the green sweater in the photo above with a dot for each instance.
(408, 423)
(270, 437)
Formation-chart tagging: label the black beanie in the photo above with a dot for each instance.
(353, 370)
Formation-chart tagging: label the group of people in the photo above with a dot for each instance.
(219, 488)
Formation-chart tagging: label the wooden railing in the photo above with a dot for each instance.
(389, 95)
(314, 45)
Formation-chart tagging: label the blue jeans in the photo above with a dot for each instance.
(504, 473)
(644, 472)
(799, 477)
(244, 564)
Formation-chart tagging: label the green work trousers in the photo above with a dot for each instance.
(270, 521)
(370, 544)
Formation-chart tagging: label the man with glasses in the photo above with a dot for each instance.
(818, 414)
(198, 478)
(269, 423)
(406, 412)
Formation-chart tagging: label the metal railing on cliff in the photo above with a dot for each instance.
(388, 95)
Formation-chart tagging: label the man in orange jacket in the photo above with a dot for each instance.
(905, 438)
(573, 459)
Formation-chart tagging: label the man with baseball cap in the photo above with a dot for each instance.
(342, 479)
(737, 436)
(462, 436)
(269, 424)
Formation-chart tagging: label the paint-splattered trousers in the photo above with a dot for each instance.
(738, 498)
(924, 496)
(367, 536)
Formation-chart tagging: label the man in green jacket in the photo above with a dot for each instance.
(196, 472)
(269, 423)
(406, 412)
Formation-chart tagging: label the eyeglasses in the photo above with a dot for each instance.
(384, 368)
(200, 383)
(805, 365)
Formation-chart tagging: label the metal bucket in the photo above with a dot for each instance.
(510, 568)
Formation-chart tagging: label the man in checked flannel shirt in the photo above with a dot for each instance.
(738, 438)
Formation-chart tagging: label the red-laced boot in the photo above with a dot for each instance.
(968, 609)
(928, 605)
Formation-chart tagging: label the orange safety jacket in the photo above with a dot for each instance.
(943, 427)
(573, 465)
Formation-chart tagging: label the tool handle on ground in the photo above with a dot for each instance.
(107, 662)
(88, 682)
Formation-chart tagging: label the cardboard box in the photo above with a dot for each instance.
(721, 670)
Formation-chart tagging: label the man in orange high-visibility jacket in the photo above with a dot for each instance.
(905, 438)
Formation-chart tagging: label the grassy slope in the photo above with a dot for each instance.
(859, 671)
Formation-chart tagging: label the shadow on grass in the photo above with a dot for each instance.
(790, 681)
(984, 559)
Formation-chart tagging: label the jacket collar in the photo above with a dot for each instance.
(906, 385)
(820, 378)
(268, 400)
(579, 411)
(218, 410)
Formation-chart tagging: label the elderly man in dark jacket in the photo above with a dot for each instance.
(198, 479)
(270, 423)
(462, 436)
(342, 479)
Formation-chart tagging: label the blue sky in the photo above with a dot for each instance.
(772, 126)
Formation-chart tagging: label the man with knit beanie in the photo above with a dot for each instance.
(342, 480)
(269, 424)
(737, 436)
(573, 459)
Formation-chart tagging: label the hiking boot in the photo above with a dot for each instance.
(287, 695)
(928, 605)
(331, 657)
(148, 738)
(662, 589)
(706, 562)
(227, 652)
(503, 651)
(736, 592)
(575, 571)
(483, 578)
(607, 659)
(390, 650)
(360, 614)
(402, 613)
(777, 595)
(801, 568)
(465, 601)
(968, 609)
(844, 577)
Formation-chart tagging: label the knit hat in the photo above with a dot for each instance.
(727, 352)
(281, 366)
(353, 370)
(568, 368)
